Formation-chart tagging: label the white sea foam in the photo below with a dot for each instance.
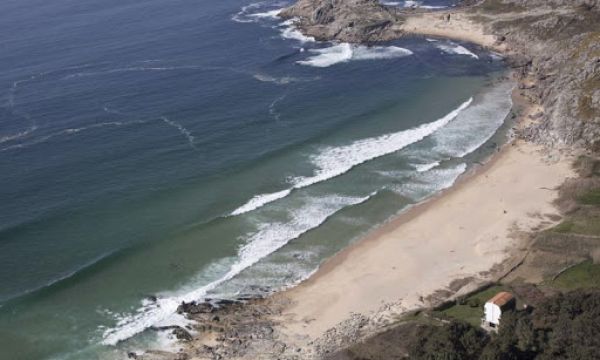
(476, 125)
(426, 167)
(267, 239)
(334, 161)
(289, 31)
(272, 14)
(452, 48)
(260, 200)
(273, 108)
(345, 52)
(284, 80)
(182, 130)
(428, 183)
(18, 135)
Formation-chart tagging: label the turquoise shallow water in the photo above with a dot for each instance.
(190, 149)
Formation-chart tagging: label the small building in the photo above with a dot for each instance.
(493, 309)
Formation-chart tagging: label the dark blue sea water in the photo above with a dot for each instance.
(191, 147)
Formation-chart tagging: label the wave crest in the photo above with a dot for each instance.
(345, 52)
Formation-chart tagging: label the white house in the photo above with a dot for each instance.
(493, 309)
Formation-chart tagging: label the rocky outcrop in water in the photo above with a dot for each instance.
(348, 21)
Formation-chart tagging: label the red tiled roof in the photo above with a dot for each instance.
(501, 298)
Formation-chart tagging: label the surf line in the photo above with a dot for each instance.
(335, 161)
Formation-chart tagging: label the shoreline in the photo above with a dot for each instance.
(306, 319)
(392, 271)
(457, 240)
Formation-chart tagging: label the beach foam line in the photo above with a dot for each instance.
(430, 182)
(331, 162)
(344, 52)
(268, 238)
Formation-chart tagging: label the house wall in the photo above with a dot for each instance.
(492, 313)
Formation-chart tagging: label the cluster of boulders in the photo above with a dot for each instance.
(344, 20)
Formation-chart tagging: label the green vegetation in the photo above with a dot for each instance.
(564, 227)
(582, 224)
(584, 275)
(561, 327)
(470, 309)
(592, 197)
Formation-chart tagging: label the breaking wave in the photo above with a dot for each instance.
(452, 48)
(477, 124)
(331, 162)
(268, 238)
(430, 182)
(289, 31)
(345, 52)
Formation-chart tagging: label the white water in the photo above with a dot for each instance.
(476, 125)
(268, 238)
(431, 181)
(334, 161)
(452, 48)
(341, 53)
(426, 167)
(289, 31)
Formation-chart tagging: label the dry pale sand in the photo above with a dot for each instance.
(459, 27)
(461, 233)
(464, 232)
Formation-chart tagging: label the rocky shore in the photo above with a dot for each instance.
(553, 48)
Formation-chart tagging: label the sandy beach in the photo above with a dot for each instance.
(461, 233)
(450, 244)
(452, 25)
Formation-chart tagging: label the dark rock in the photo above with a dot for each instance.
(182, 334)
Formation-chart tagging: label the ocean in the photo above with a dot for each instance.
(187, 149)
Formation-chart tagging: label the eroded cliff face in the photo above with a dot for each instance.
(344, 20)
(553, 44)
(560, 41)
